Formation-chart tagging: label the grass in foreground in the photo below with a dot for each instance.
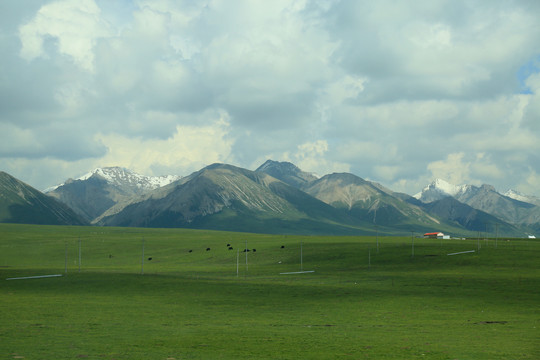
(359, 303)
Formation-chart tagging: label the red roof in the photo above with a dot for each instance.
(433, 233)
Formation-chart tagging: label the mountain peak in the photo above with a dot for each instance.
(487, 187)
(516, 195)
(286, 172)
(439, 189)
(272, 164)
(447, 187)
(116, 175)
(108, 173)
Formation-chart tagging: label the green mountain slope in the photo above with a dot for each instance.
(21, 203)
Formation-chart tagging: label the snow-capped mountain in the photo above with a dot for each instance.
(124, 177)
(511, 207)
(95, 192)
(440, 189)
(516, 195)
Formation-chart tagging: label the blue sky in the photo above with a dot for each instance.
(530, 68)
(396, 92)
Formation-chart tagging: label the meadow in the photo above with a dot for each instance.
(127, 293)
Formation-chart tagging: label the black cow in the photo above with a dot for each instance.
(283, 246)
(190, 251)
(230, 247)
(149, 258)
(207, 249)
(254, 250)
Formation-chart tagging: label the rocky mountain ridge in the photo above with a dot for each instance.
(520, 210)
(226, 197)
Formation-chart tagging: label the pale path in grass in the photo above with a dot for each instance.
(34, 277)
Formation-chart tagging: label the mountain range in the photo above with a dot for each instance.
(277, 197)
(514, 209)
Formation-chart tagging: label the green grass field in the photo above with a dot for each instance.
(359, 303)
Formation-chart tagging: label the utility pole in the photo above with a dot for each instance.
(142, 258)
(485, 234)
(412, 240)
(79, 254)
(301, 256)
(377, 236)
(496, 233)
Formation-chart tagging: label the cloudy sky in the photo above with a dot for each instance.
(398, 92)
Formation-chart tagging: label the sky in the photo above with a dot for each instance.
(397, 92)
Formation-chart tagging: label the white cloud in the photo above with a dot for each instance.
(311, 156)
(430, 36)
(529, 183)
(386, 173)
(75, 24)
(392, 91)
(188, 149)
(459, 169)
(453, 169)
(531, 112)
(484, 168)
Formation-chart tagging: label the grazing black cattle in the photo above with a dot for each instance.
(254, 250)
(207, 249)
(246, 250)
(190, 251)
(283, 246)
(230, 247)
(149, 259)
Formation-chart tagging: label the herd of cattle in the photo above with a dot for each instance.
(228, 247)
(231, 248)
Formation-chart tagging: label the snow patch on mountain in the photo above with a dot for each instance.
(442, 188)
(125, 177)
(516, 195)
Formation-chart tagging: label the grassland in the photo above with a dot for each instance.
(360, 303)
